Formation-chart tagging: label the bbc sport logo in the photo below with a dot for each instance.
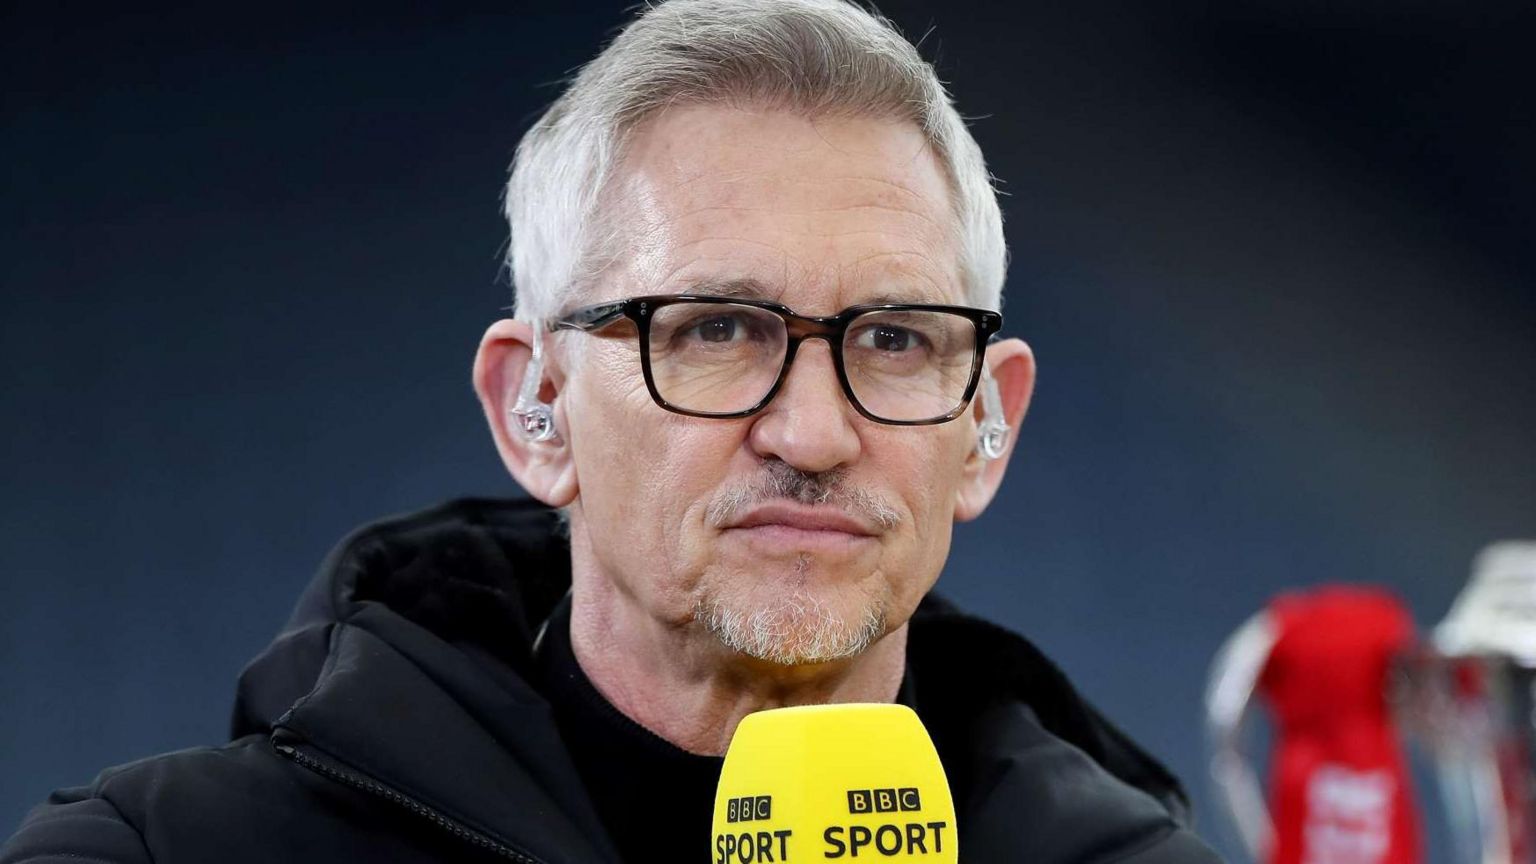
(749, 808)
(904, 800)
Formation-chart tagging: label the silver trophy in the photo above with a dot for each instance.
(1476, 698)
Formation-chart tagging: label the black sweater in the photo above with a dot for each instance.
(636, 779)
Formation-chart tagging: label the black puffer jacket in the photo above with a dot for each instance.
(392, 721)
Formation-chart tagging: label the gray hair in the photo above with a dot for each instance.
(814, 56)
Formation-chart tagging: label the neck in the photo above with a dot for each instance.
(677, 680)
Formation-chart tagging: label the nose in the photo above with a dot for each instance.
(809, 423)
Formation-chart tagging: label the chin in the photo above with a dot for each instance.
(795, 626)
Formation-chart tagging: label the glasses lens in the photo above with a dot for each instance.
(715, 358)
(909, 364)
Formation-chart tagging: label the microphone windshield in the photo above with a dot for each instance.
(829, 782)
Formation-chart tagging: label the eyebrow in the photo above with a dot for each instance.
(752, 289)
(738, 289)
(900, 297)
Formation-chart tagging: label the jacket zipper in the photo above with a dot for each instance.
(374, 787)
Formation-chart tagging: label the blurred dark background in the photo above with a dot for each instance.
(1275, 259)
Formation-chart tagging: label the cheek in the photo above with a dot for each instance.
(645, 477)
(925, 469)
(610, 464)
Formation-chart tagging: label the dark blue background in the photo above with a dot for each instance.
(1274, 258)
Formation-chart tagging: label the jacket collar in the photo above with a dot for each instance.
(404, 663)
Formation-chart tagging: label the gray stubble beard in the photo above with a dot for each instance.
(796, 629)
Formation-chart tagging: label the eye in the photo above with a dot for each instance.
(719, 328)
(889, 338)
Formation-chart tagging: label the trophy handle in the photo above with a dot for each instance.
(1482, 720)
(1229, 694)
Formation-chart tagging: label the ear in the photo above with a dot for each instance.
(544, 468)
(1012, 365)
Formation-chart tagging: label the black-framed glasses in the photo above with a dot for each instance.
(907, 364)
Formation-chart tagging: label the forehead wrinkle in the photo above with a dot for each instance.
(699, 209)
(904, 269)
(936, 232)
(843, 208)
(681, 248)
(920, 143)
(911, 202)
(867, 221)
(702, 209)
(704, 175)
(947, 290)
(925, 211)
(893, 186)
(766, 289)
(734, 181)
(864, 232)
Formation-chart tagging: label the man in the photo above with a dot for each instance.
(755, 252)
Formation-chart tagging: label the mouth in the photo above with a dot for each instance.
(791, 527)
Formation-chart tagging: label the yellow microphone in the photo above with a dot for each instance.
(833, 782)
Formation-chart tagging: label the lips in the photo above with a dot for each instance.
(791, 517)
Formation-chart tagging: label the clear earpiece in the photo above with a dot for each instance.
(992, 435)
(534, 420)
